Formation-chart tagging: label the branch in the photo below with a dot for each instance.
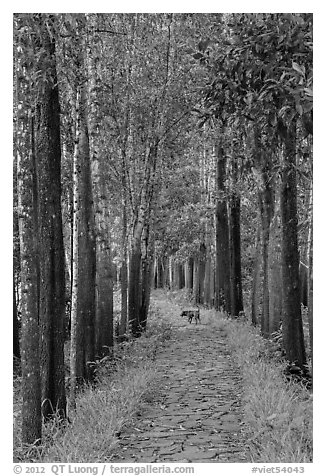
(111, 32)
(173, 124)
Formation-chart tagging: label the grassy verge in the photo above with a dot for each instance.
(122, 388)
(278, 412)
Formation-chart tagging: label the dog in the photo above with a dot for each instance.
(191, 314)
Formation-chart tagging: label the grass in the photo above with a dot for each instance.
(277, 412)
(123, 388)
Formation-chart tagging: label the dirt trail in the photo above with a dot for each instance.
(197, 415)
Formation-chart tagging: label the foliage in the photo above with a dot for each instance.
(262, 68)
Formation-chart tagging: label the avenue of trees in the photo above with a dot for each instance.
(165, 150)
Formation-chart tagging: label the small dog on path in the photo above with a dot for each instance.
(191, 314)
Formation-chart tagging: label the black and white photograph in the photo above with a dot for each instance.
(162, 242)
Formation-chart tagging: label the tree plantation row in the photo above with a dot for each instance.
(166, 150)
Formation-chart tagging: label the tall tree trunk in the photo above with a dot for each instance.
(201, 273)
(275, 271)
(256, 279)
(196, 284)
(104, 302)
(76, 344)
(222, 289)
(16, 344)
(181, 279)
(310, 272)
(207, 281)
(87, 252)
(51, 252)
(310, 294)
(133, 288)
(30, 357)
(165, 264)
(176, 275)
(82, 353)
(190, 273)
(160, 272)
(303, 280)
(235, 257)
(100, 217)
(293, 341)
(266, 215)
(141, 216)
(124, 274)
(146, 275)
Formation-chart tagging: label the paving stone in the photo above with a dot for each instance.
(194, 455)
(161, 444)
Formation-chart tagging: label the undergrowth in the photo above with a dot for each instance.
(123, 386)
(277, 411)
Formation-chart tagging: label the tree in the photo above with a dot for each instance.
(42, 257)
(50, 239)
(104, 273)
(293, 341)
(222, 289)
(16, 343)
(83, 308)
(235, 242)
(30, 356)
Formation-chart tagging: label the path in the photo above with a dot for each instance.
(197, 415)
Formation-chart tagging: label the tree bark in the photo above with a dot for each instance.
(134, 287)
(222, 289)
(124, 272)
(82, 352)
(75, 324)
(100, 213)
(255, 295)
(196, 285)
(235, 257)
(51, 252)
(310, 273)
(293, 341)
(146, 275)
(159, 272)
(207, 281)
(30, 357)
(310, 295)
(190, 273)
(275, 272)
(87, 252)
(16, 343)
(201, 273)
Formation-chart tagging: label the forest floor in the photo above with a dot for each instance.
(196, 414)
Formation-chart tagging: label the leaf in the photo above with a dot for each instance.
(202, 45)
(308, 91)
(299, 69)
(198, 56)
(299, 108)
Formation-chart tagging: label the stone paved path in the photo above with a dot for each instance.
(197, 415)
